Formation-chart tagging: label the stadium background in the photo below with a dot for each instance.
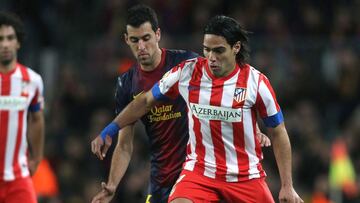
(308, 49)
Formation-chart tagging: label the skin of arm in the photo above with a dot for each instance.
(282, 152)
(136, 109)
(121, 156)
(36, 136)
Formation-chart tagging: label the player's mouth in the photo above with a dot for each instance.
(5, 54)
(215, 68)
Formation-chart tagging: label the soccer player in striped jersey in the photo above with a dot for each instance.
(21, 116)
(223, 94)
(165, 124)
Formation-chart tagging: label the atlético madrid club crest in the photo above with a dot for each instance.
(239, 94)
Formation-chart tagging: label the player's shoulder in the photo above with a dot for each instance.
(257, 74)
(33, 75)
(126, 78)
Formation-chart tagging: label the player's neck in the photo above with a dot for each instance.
(8, 67)
(157, 60)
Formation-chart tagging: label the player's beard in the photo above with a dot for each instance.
(6, 62)
(146, 62)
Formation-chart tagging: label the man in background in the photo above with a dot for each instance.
(21, 116)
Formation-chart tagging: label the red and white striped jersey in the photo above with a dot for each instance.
(222, 117)
(20, 91)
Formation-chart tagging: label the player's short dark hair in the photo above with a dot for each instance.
(139, 14)
(10, 19)
(233, 32)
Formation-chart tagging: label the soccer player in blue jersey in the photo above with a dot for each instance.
(165, 124)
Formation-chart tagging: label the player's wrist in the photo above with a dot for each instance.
(112, 129)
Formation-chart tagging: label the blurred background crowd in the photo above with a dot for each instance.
(308, 49)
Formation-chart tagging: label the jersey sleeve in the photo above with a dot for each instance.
(267, 104)
(167, 87)
(122, 94)
(37, 102)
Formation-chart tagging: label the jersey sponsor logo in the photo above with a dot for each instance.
(163, 113)
(13, 103)
(148, 199)
(208, 112)
(136, 95)
(239, 94)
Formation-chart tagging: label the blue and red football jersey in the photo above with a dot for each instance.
(165, 124)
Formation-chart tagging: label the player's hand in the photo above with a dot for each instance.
(263, 139)
(289, 195)
(105, 195)
(99, 148)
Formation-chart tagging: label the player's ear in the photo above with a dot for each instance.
(126, 38)
(236, 47)
(158, 34)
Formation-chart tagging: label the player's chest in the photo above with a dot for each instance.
(15, 93)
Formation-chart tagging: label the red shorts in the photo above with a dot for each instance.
(201, 189)
(20, 190)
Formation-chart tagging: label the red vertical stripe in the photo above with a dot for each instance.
(257, 143)
(259, 101)
(4, 122)
(238, 128)
(194, 94)
(215, 129)
(268, 85)
(16, 166)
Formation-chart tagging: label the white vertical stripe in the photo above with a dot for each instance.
(252, 88)
(227, 131)
(15, 86)
(23, 148)
(267, 99)
(204, 98)
(250, 143)
(249, 128)
(184, 91)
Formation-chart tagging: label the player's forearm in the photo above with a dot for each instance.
(36, 134)
(132, 112)
(121, 156)
(135, 110)
(282, 151)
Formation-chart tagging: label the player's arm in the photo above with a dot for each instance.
(100, 145)
(131, 113)
(282, 151)
(272, 116)
(35, 134)
(119, 164)
(136, 109)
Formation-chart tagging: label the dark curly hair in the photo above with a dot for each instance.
(232, 31)
(10, 19)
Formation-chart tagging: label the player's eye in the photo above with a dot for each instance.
(134, 40)
(146, 38)
(219, 50)
(206, 49)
